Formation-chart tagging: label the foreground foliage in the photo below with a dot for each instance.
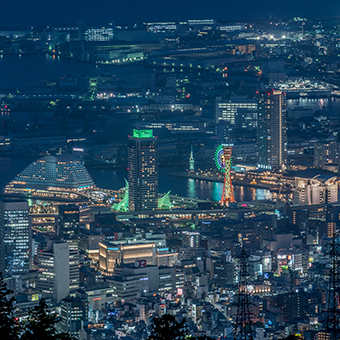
(39, 326)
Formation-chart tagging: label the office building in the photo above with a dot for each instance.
(142, 171)
(246, 118)
(271, 129)
(54, 271)
(74, 268)
(326, 153)
(135, 281)
(68, 224)
(223, 273)
(14, 237)
(58, 270)
(99, 34)
(227, 109)
(89, 244)
(316, 190)
(74, 310)
(190, 239)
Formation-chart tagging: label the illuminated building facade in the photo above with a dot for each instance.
(53, 271)
(190, 239)
(316, 190)
(226, 109)
(99, 34)
(74, 310)
(142, 171)
(134, 280)
(111, 255)
(271, 129)
(325, 153)
(14, 237)
(68, 224)
(60, 176)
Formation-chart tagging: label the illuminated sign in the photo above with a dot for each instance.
(35, 297)
(78, 149)
(140, 263)
(142, 133)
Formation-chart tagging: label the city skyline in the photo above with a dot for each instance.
(38, 12)
(170, 171)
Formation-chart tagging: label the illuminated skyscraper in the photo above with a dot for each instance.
(68, 224)
(142, 171)
(271, 129)
(14, 237)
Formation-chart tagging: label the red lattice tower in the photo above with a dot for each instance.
(228, 189)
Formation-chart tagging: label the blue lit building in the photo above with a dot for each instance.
(14, 237)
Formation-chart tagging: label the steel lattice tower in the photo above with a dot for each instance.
(242, 327)
(333, 291)
(228, 189)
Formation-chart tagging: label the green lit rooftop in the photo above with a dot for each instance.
(142, 133)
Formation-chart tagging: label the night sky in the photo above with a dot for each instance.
(25, 13)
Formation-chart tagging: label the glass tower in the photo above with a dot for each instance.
(14, 237)
(142, 171)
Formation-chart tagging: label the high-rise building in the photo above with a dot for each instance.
(68, 224)
(54, 271)
(14, 237)
(142, 171)
(271, 129)
(58, 267)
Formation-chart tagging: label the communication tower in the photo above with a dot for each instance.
(191, 161)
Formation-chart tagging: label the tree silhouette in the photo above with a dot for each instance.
(168, 328)
(9, 327)
(41, 326)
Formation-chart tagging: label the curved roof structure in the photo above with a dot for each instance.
(63, 172)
